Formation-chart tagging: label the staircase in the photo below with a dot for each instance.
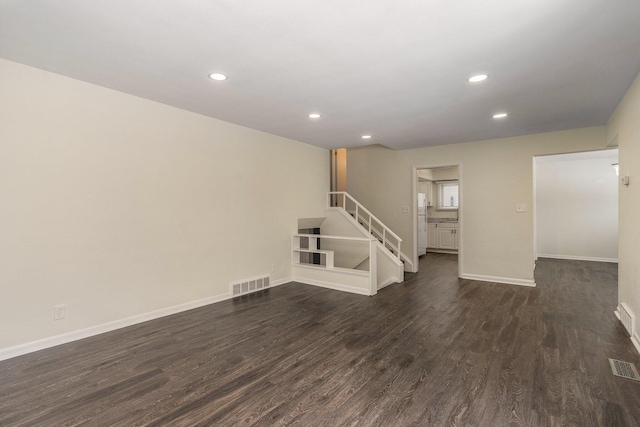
(353, 252)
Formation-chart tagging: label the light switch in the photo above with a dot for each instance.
(521, 207)
(405, 209)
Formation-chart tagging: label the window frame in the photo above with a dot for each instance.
(440, 195)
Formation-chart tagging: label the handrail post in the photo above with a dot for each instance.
(344, 201)
(399, 242)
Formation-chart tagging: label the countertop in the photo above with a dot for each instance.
(441, 220)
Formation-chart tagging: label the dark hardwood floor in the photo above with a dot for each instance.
(433, 351)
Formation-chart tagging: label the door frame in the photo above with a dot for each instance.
(414, 192)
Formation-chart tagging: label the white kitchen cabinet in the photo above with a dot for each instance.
(429, 193)
(426, 187)
(447, 238)
(443, 235)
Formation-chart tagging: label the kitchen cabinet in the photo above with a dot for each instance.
(426, 187)
(429, 193)
(447, 237)
(443, 235)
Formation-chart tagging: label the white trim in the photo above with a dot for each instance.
(41, 344)
(407, 262)
(414, 227)
(334, 286)
(494, 279)
(578, 258)
(635, 339)
(349, 271)
(442, 251)
(534, 176)
(388, 282)
(415, 258)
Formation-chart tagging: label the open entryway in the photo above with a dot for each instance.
(437, 218)
(576, 206)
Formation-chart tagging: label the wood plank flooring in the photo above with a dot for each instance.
(433, 351)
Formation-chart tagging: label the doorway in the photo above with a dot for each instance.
(438, 213)
(576, 206)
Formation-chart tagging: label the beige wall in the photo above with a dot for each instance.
(445, 174)
(497, 241)
(625, 125)
(117, 206)
(341, 168)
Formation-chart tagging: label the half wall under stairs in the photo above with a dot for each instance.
(344, 255)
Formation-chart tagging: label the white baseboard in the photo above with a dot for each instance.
(334, 286)
(388, 282)
(494, 279)
(408, 263)
(275, 283)
(30, 347)
(635, 339)
(578, 258)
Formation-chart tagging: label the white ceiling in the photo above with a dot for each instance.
(394, 69)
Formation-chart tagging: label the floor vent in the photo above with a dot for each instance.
(249, 286)
(624, 369)
(627, 318)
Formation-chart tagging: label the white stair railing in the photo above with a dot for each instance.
(388, 238)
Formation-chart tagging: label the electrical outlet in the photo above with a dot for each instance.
(521, 207)
(59, 312)
(273, 268)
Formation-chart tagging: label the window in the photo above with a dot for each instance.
(447, 195)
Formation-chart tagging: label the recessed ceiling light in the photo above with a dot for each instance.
(217, 76)
(366, 136)
(314, 116)
(477, 78)
(500, 115)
